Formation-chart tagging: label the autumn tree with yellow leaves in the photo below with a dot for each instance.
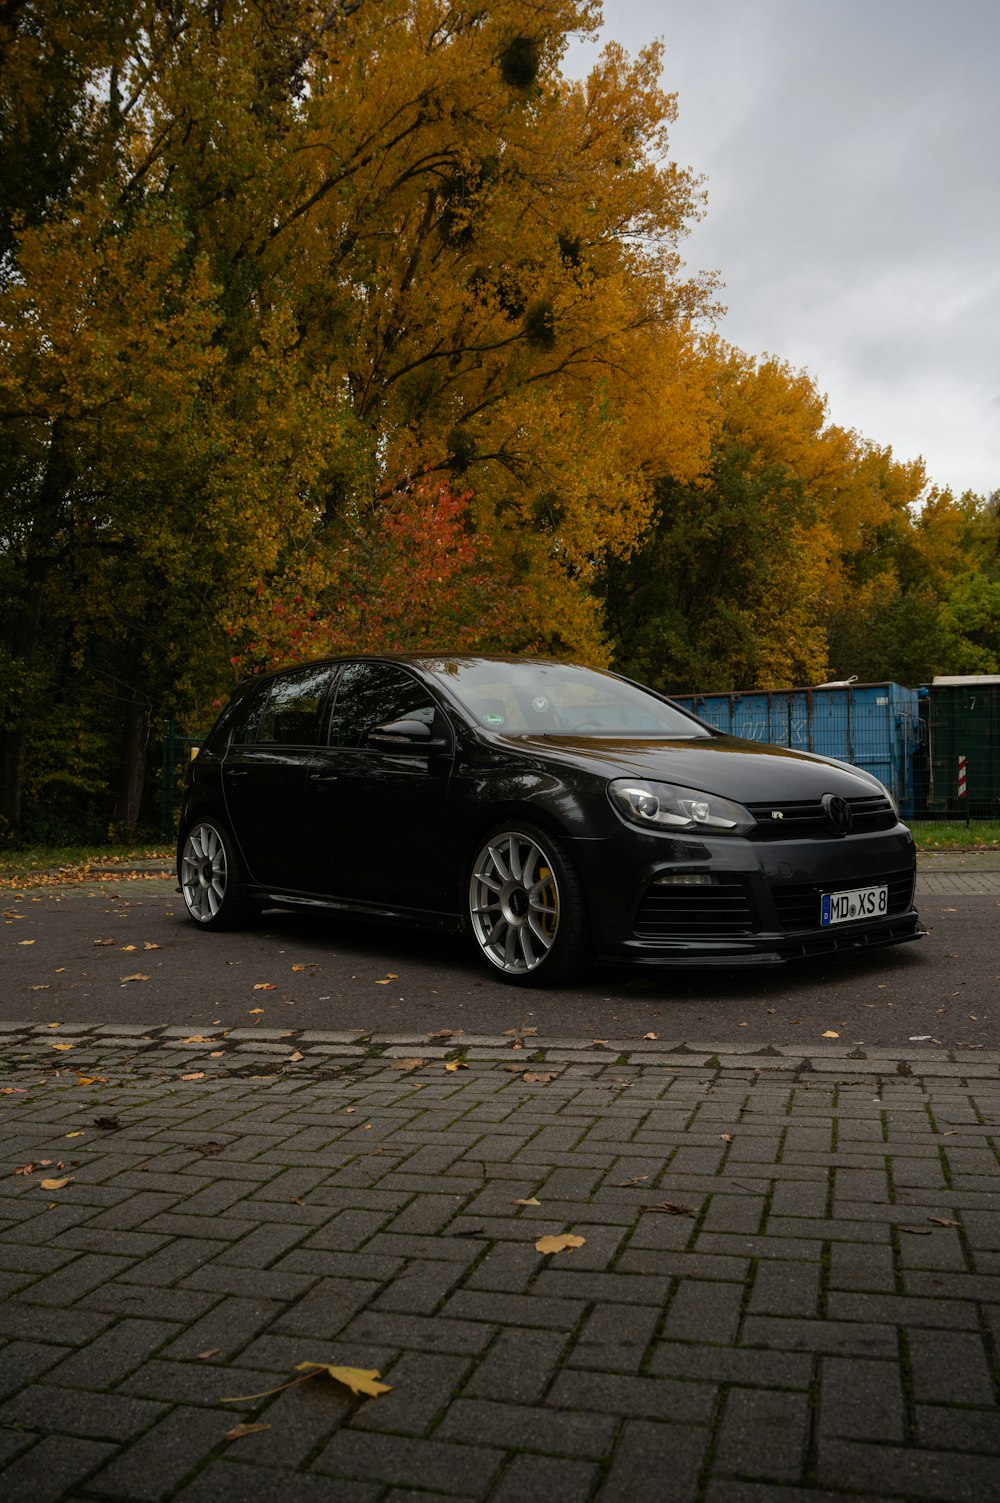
(271, 268)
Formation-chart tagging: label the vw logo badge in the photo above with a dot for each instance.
(838, 812)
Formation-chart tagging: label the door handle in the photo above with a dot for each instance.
(322, 777)
(236, 772)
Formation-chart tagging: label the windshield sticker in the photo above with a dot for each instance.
(493, 719)
(539, 703)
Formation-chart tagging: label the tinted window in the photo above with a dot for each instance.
(290, 715)
(238, 720)
(370, 694)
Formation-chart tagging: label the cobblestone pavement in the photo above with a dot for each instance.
(788, 1286)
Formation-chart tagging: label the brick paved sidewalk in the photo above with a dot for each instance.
(789, 1287)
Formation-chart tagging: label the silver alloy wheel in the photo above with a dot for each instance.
(204, 872)
(514, 902)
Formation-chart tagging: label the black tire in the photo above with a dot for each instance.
(525, 908)
(211, 878)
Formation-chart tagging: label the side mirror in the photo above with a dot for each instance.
(405, 733)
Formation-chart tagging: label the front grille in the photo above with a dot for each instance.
(807, 818)
(798, 903)
(681, 912)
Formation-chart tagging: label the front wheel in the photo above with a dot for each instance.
(209, 873)
(525, 907)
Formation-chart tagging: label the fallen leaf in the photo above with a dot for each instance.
(357, 1379)
(671, 1208)
(943, 1221)
(624, 1184)
(206, 1148)
(197, 1038)
(238, 1431)
(534, 1079)
(563, 1242)
(26, 941)
(296, 1055)
(53, 1025)
(194, 1075)
(829, 1034)
(148, 945)
(917, 1231)
(726, 1137)
(126, 948)
(28, 1168)
(217, 1054)
(530, 1201)
(360, 1381)
(265, 986)
(63, 1047)
(405, 1064)
(137, 977)
(650, 1035)
(56, 1184)
(104, 941)
(515, 1069)
(42, 986)
(446, 1033)
(77, 1134)
(85, 1079)
(213, 1351)
(455, 1064)
(390, 976)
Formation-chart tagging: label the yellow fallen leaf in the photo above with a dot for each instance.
(357, 1379)
(53, 1025)
(26, 941)
(650, 1035)
(84, 1080)
(265, 986)
(456, 1064)
(137, 977)
(194, 1075)
(55, 1184)
(238, 1431)
(197, 1038)
(126, 947)
(829, 1034)
(42, 986)
(148, 945)
(529, 1201)
(78, 1134)
(64, 1046)
(217, 1053)
(296, 1055)
(563, 1242)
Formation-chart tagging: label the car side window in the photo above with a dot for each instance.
(290, 715)
(370, 694)
(240, 724)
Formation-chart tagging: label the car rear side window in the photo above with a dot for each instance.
(290, 714)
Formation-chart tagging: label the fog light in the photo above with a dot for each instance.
(685, 879)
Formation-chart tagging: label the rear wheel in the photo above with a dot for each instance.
(525, 907)
(210, 877)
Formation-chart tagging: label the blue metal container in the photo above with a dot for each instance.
(873, 726)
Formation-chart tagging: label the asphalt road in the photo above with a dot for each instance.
(124, 952)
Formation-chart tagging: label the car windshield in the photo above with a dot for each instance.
(558, 699)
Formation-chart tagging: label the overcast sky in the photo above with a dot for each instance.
(852, 156)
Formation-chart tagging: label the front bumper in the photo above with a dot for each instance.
(735, 902)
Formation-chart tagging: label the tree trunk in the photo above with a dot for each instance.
(133, 774)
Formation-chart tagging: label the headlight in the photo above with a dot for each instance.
(664, 806)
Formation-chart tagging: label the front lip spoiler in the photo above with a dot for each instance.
(762, 951)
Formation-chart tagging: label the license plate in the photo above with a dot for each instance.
(859, 903)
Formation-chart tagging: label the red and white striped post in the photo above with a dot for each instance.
(962, 786)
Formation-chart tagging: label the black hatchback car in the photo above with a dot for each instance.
(557, 813)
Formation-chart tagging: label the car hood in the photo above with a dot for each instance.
(746, 771)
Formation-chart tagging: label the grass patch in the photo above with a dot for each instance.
(73, 862)
(956, 835)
